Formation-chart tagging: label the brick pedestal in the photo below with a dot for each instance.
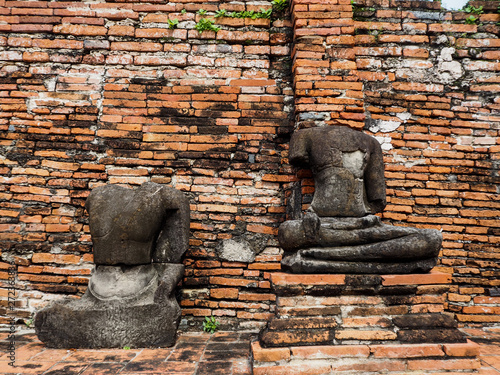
(371, 323)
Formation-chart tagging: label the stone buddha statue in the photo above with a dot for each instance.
(339, 233)
(139, 236)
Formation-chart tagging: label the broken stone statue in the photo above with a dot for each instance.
(139, 236)
(339, 233)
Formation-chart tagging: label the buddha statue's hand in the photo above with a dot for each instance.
(370, 221)
(311, 224)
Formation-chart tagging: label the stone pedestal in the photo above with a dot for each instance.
(139, 237)
(371, 323)
(148, 320)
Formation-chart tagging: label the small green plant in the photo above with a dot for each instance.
(356, 8)
(29, 323)
(206, 25)
(210, 324)
(184, 11)
(498, 11)
(266, 13)
(172, 24)
(202, 12)
(473, 9)
(221, 13)
(245, 14)
(471, 20)
(126, 348)
(280, 5)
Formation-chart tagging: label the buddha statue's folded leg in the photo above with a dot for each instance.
(386, 244)
(314, 230)
(295, 263)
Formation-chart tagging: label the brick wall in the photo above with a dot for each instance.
(94, 93)
(424, 82)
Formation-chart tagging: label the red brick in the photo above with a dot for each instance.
(269, 354)
(254, 316)
(295, 369)
(327, 352)
(196, 312)
(224, 293)
(454, 28)
(469, 349)
(294, 279)
(35, 56)
(357, 334)
(414, 279)
(232, 282)
(407, 351)
(80, 30)
(448, 364)
(256, 297)
(120, 30)
(136, 46)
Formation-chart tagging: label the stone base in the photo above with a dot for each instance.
(150, 321)
(371, 323)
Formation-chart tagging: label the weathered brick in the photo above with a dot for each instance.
(316, 352)
(457, 364)
(407, 351)
(357, 334)
(269, 354)
(80, 30)
(432, 278)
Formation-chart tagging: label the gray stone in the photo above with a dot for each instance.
(234, 250)
(139, 238)
(348, 170)
(96, 44)
(147, 319)
(340, 233)
(436, 16)
(134, 226)
(242, 248)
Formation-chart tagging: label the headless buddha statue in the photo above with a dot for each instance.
(139, 236)
(339, 233)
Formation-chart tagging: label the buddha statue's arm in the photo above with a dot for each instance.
(173, 240)
(374, 178)
(298, 154)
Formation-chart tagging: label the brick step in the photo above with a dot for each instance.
(370, 359)
(270, 338)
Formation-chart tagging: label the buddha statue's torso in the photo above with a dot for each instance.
(341, 160)
(125, 221)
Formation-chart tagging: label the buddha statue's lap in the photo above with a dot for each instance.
(340, 233)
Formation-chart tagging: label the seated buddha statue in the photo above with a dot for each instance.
(339, 232)
(139, 236)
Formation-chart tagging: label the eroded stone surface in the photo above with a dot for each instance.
(242, 248)
(340, 233)
(139, 238)
(134, 226)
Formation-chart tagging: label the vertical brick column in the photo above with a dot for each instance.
(327, 88)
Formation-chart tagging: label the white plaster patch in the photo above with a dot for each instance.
(412, 163)
(384, 126)
(385, 143)
(236, 251)
(447, 54)
(354, 162)
(453, 4)
(448, 70)
(403, 116)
